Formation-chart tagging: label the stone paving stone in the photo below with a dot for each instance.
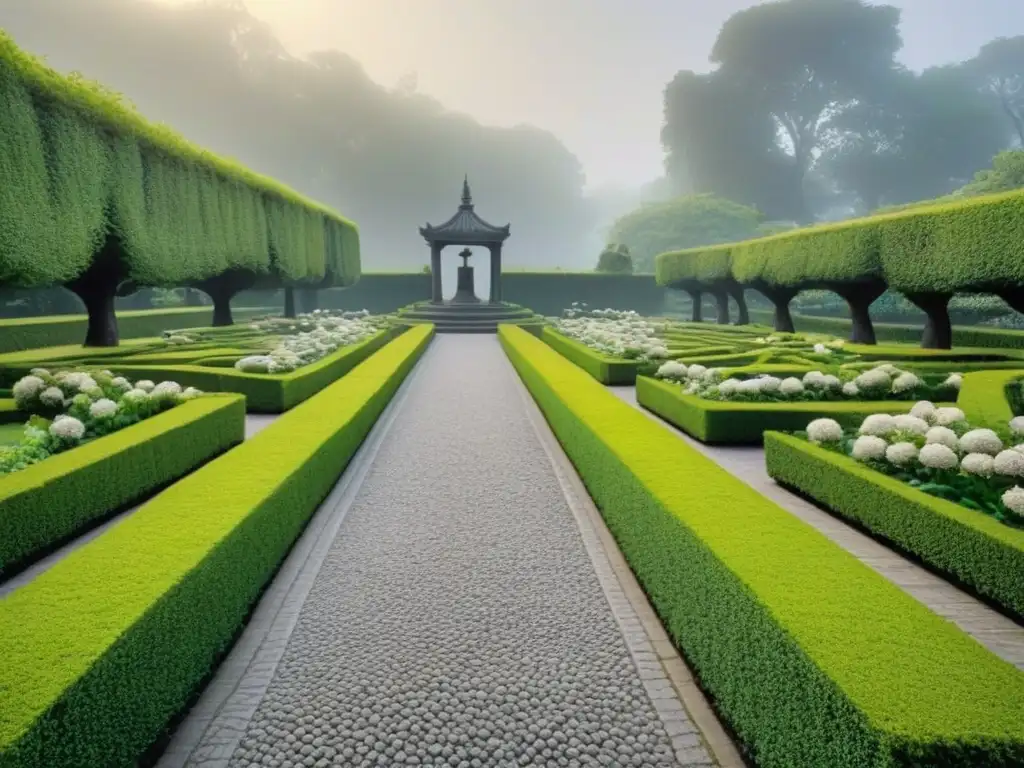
(457, 618)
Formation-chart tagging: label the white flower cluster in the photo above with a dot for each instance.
(317, 335)
(933, 438)
(615, 333)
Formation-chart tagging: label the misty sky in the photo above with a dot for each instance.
(591, 71)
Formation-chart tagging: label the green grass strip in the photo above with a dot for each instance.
(985, 400)
(969, 546)
(606, 369)
(103, 649)
(812, 657)
(44, 505)
(9, 413)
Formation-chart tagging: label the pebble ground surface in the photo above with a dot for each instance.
(456, 619)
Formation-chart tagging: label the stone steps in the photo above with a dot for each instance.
(467, 318)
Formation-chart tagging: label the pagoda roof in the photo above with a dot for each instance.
(465, 227)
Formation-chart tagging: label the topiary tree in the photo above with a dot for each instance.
(99, 200)
(615, 259)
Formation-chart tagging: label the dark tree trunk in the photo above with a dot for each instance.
(860, 298)
(222, 316)
(698, 309)
(722, 298)
(938, 329)
(1014, 297)
(736, 291)
(221, 289)
(781, 297)
(97, 287)
(289, 301)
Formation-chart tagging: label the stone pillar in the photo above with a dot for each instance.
(436, 296)
(495, 295)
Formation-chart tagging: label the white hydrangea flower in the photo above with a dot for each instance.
(981, 441)
(907, 423)
(814, 380)
(52, 397)
(791, 386)
(165, 388)
(954, 380)
(1013, 499)
(821, 349)
(713, 375)
(1009, 463)
(826, 431)
(889, 369)
(831, 382)
(40, 372)
(879, 424)
(68, 428)
(901, 454)
(672, 369)
(729, 387)
(696, 371)
(770, 384)
(948, 415)
(191, 392)
(924, 409)
(692, 388)
(943, 436)
(980, 464)
(26, 389)
(938, 456)
(1017, 425)
(905, 382)
(751, 386)
(1018, 448)
(145, 385)
(135, 395)
(103, 408)
(120, 382)
(850, 389)
(875, 380)
(867, 447)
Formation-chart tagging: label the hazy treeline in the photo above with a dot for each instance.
(808, 115)
(389, 158)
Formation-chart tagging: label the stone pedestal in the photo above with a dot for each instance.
(464, 292)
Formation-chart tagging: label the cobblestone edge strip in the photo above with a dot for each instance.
(229, 701)
(689, 720)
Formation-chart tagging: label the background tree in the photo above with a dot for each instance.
(683, 222)
(616, 259)
(999, 69)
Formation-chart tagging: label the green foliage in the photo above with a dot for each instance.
(54, 500)
(92, 672)
(1006, 173)
(986, 397)
(616, 259)
(684, 222)
(972, 548)
(767, 609)
(607, 370)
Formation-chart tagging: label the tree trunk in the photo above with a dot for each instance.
(860, 298)
(289, 301)
(722, 298)
(736, 291)
(1014, 297)
(221, 289)
(781, 297)
(938, 329)
(698, 310)
(97, 288)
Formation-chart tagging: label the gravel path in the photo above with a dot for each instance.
(1001, 635)
(455, 618)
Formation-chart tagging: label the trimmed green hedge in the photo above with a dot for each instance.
(48, 503)
(607, 370)
(264, 392)
(963, 335)
(104, 649)
(985, 397)
(813, 658)
(973, 548)
(9, 413)
(57, 330)
(722, 423)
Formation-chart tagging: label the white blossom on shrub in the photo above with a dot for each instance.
(912, 424)
(770, 384)
(191, 392)
(867, 447)
(1014, 500)
(1018, 448)
(980, 464)
(875, 380)
(938, 456)
(165, 388)
(1009, 463)
(924, 409)
(120, 382)
(948, 415)
(954, 380)
(103, 408)
(821, 349)
(814, 380)
(1017, 425)
(943, 436)
(831, 382)
(791, 386)
(145, 385)
(26, 390)
(729, 387)
(713, 375)
(42, 373)
(826, 431)
(901, 454)
(696, 371)
(878, 424)
(68, 428)
(673, 370)
(905, 382)
(135, 395)
(981, 441)
(52, 397)
(850, 389)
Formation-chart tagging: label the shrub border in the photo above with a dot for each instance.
(970, 547)
(45, 505)
(795, 639)
(984, 398)
(102, 650)
(607, 370)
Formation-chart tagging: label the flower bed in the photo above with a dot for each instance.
(796, 640)
(973, 549)
(102, 651)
